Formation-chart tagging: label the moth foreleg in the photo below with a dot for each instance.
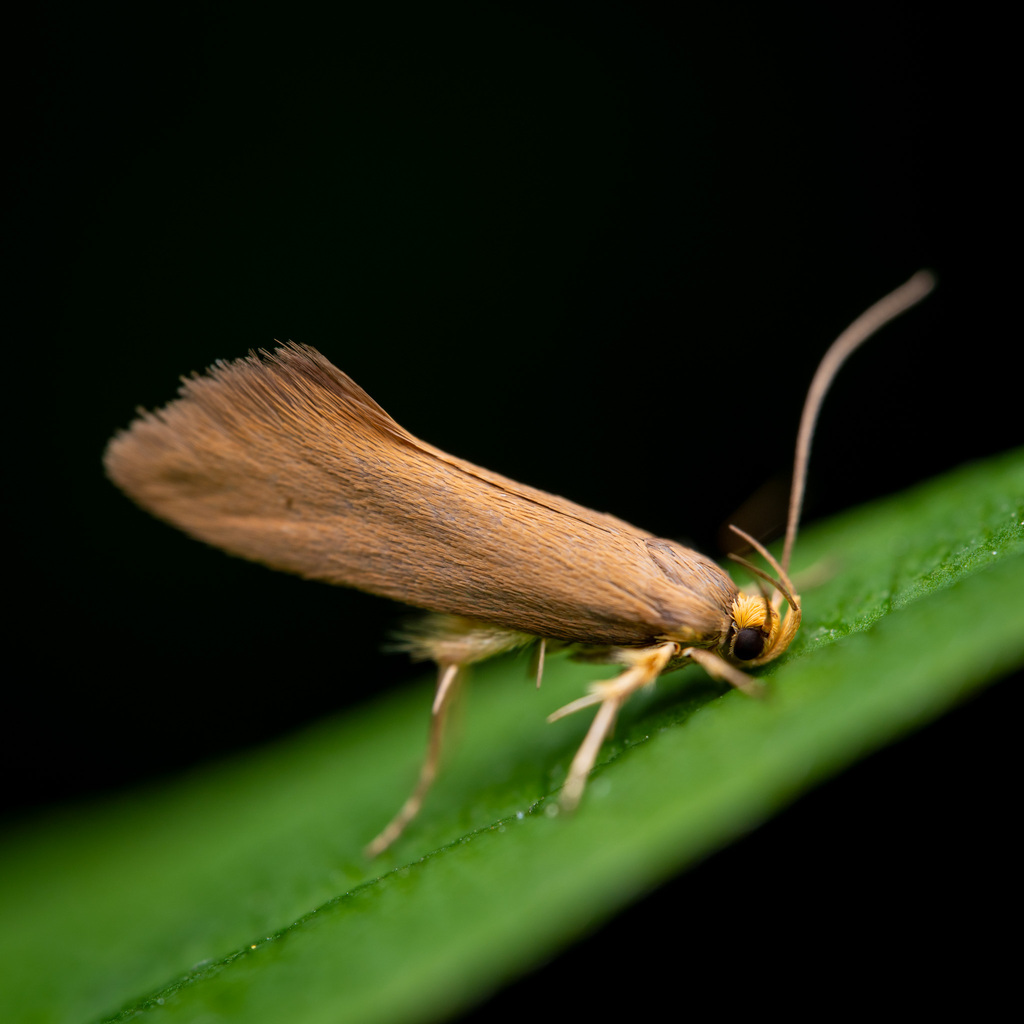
(645, 665)
(719, 668)
(448, 678)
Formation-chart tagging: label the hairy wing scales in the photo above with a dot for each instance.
(283, 459)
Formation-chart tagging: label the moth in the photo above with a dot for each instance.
(281, 458)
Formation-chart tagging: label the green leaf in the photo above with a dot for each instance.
(240, 892)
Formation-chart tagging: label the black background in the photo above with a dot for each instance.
(597, 249)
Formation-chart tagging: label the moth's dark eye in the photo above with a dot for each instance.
(749, 644)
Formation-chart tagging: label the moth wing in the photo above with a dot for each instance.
(283, 459)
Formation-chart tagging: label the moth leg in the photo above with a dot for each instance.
(645, 665)
(537, 660)
(448, 679)
(719, 668)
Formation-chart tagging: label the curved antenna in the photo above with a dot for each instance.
(871, 320)
(784, 584)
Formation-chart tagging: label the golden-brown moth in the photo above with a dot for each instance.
(283, 459)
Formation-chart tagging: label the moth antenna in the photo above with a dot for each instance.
(769, 608)
(783, 584)
(871, 320)
(755, 571)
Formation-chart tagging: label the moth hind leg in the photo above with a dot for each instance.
(453, 642)
(645, 665)
(449, 677)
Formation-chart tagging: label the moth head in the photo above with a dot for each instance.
(759, 633)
